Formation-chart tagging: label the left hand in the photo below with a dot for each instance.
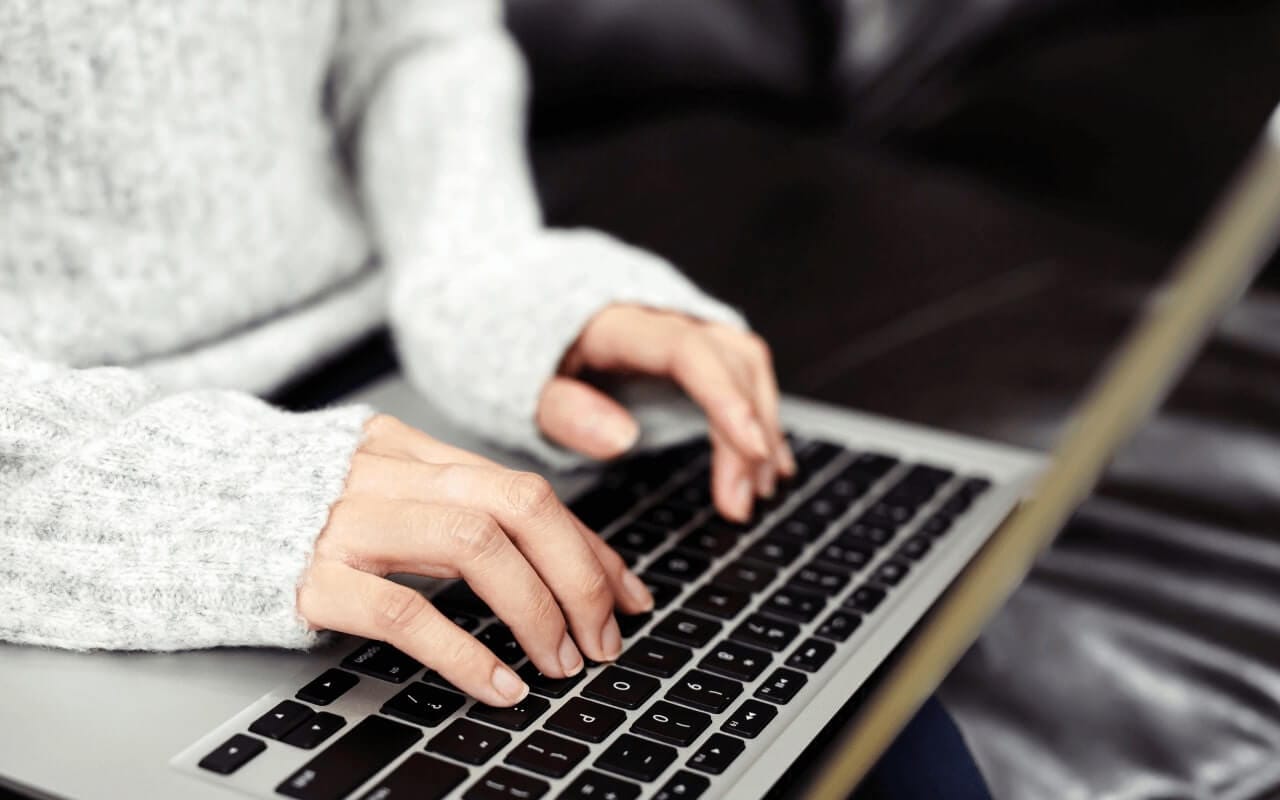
(727, 371)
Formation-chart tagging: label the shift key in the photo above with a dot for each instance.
(350, 761)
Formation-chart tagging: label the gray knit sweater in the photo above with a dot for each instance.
(199, 200)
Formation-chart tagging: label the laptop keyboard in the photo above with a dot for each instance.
(744, 613)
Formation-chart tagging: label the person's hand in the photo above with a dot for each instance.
(415, 505)
(727, 371)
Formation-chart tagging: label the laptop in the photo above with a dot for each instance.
(762, 634)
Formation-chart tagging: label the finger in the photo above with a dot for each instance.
(632, 595)
(340, 598)
(447, 542)
(582, 418)
(732, 485)
(765, 385)
(385, 435)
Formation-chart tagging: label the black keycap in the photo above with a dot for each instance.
(547, 754)
(886, 514)
(499, 638)
(548, 687)
(585, 720)
(927, 475)
(233, 754)
(717, 601)
(501, 783)
(875, 465)
(683, 786)
(974, 487)
(815, 577)
(458, 598)
(621, 687)
(762, 631)
(750, 718)
(513, 718)
(797, 528)
(630, 624)
(637, 758)
(868, 533)
(820, 511)
(381, 660)
(662, 590)
(286, 716)
(315, 730)
(811, 655)
(847, 487)
(671, 723)
(865, 598)
(839, 626)
(687, 629)
(693, 493)
(465, 621)
(781, 686)
(892, 572)
(436, 679)
(656, 657)
(737, 661)
(718, 523)
(629, 557)
(423, 705)
(705, 691)
(336, 771)
(666, 516)
(775, 552)
(638, 538)
(328, 687)
(816, 455)
(592, 785)
(916, 547)
(717, 753)
(679, 565)
(711, 543)
(936, 525)
(419, 777)
(745, 576)
(599, 507)
(849, 555)
(468, 741)
(795, 604)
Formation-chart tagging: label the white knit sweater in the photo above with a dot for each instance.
(197, 202)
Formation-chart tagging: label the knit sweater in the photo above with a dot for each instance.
(199, 201)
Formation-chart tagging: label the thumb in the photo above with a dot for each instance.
(582, 418)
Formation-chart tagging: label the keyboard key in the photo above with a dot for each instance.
(839, 626)
(737, 661)
(666, 517)
(795, 604)
(419, 777)
(513, 718)
(683, 786)
(750, 719)
(974, 487)
(865, 598)
(233, 754)
(927, 475)
(687, 629)
(371, 744)
(468, 741)
(656, 657)
(277, 722)
(638, 538)
(621, 687)
(868, 533)
(797, 528)
(916, 547)
(423, 705)
(781, 686)
(710, 543)
(328, 687)
(315, 730)
(846, 488)
(592, 785)
(458, 598)
(774, 552)
(886, 514)
(671, 723)
(679, 565)
(936, 525)
(501, 783)
(819, 512)
(663, 592)
(762, 631)
(630, 624)
(816, 455)
(892, 572)
(382, 661)
(693, 493)
(705, 691)
(717, 753)
(816, 578)
(811, 655)
(583, 719)
(499, 638)
(465, 621)
(598, 508)
(850, 555)
(745, 576)
(436, 679)
(717, 601)
(547, 754)
(548, 687)
(633, 757)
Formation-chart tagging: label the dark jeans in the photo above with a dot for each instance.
(928, 761)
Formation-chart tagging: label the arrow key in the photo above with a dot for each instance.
(750, 719)
(717, 753)
(277, 722)
(315, 730)
(328, 687)
(233, 754)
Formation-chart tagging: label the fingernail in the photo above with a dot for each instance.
(508, 685)
(618, 434)
(611, 639)
(765, 480)
(570, 658)
(638, 592)
(742, 493)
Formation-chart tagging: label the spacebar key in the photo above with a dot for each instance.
(350, 761)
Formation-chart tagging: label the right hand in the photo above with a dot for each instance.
(415, 505)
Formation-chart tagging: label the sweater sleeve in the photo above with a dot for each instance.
(130, 519)
(485, 300)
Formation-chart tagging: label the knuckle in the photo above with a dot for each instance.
(529, 493)
(758, 347)
(472, 534)
(399, 609)
(544, 613)
(595, 588)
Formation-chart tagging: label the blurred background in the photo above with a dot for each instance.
(948, 211)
